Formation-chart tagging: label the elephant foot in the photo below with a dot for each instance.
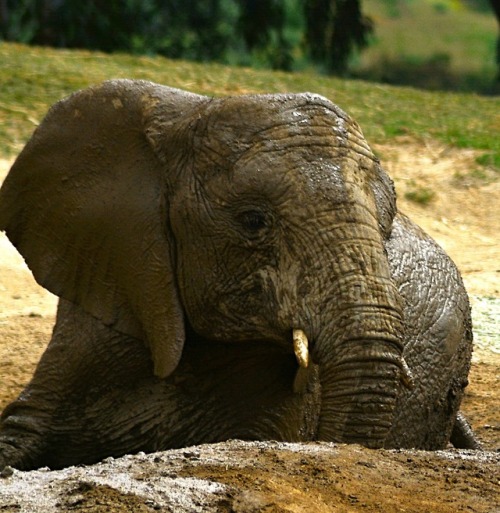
(462, 436)
(12, 457)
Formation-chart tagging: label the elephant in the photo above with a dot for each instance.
(227, 268)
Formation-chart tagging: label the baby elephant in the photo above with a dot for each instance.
(227, 268)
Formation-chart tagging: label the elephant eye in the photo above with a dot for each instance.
(254, 222)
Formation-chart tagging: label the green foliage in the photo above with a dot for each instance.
(334, 29)
(178, 28)
(489, 159)
(419, 194)
(269, 45)
(263, 32)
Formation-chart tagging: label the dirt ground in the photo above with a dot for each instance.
(463, 216)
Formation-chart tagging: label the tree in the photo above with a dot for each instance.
(495, 4)
(334, 29)
(262, 25)
(267, 32)
(4, 16)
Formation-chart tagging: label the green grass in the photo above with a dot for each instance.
(421, 195)
(489, 159)
(32, 78)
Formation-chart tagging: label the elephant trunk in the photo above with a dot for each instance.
(360, 351)
(359, 393)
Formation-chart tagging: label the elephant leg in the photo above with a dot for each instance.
(80, 394)
(94, 395)
(438, 338)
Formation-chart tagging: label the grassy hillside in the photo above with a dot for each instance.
(31, 79)
(437, 43)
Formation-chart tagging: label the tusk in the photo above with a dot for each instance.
(301, 347)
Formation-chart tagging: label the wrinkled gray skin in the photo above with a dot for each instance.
(187, 237)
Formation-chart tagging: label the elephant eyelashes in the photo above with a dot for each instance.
(254, 222)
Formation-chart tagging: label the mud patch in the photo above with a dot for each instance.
(246, 477)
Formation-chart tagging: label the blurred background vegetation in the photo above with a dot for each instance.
(432, 44)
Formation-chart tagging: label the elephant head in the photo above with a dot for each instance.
(251, 218)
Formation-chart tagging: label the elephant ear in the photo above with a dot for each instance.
(85, 205)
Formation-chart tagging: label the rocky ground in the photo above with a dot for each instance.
(463, 216)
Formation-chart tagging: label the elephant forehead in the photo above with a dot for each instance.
(249, 119)
(276, 142)
(300, 170)
(269, 107)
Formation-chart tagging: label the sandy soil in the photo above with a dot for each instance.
(463, 217)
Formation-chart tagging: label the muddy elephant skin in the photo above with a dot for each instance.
(227, 268)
